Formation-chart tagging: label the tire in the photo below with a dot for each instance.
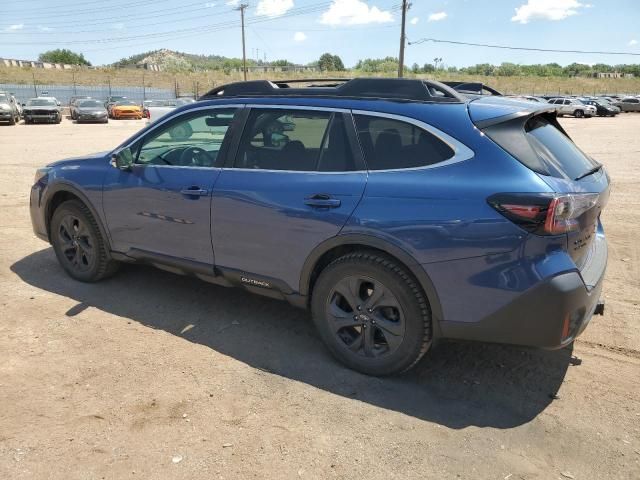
(578, 114)
(371, 314)
(78, 243)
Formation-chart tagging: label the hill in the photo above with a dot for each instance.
(171, 61)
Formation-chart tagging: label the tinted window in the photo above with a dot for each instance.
(556, 149)
(192, 140)
(393, 144)
(297, 140)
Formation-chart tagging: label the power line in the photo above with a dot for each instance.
(506, 47)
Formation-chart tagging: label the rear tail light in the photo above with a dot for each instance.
(543, 213)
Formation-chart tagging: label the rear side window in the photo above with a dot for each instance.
(556, 150)
(295, 140)
(390, 144)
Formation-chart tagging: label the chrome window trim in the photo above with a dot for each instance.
(461, 152)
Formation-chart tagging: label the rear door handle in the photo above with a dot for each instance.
(194, 191)
(322, 200)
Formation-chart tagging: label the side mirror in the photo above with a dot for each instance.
(24, 104)
(122, 160)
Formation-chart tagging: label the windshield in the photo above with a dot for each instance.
(126, 103)
(117, 99)
(556, 149)
(41, 102)
(91, 103)
(4, 98)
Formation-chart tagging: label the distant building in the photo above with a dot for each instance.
(612, 75)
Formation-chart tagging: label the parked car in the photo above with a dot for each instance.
(397, 210)
(573, 107)
(628, 104)
(150, 103)
(603, 109)
(73, 104)
(90, 110)
(42, 110)
(112, 100)
(126, 109)
(154, 112)
(9, 109)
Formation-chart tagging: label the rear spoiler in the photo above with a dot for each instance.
(473, 88)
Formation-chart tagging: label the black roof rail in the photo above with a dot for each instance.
(367, 87)
(472, 88)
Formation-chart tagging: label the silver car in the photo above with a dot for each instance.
(9, 110)
(629, 104)
(571, 106)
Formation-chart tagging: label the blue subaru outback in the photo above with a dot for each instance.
(398, 211)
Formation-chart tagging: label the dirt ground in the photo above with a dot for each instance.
(149, 375)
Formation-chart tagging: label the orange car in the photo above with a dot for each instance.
(126, 109)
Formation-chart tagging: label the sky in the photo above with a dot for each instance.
(302, 30)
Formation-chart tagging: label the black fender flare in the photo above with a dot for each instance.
(64, 186)
(364, 240)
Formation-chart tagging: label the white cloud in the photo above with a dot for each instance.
(299, 37)
(210, 4)
(118, 26)
(633, 42)
(15, 27)
(43, 28)
(232, 3)
(547, 10)
(354, 12)
(274, 8)
(436, 17)
(414, 21)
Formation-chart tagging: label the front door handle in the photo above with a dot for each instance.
(322, 200)
(194, 191)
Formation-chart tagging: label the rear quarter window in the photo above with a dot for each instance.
(556, 150)
(390, 144)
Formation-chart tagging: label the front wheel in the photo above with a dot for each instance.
(578, 114)
(371, 314)
(78, 243)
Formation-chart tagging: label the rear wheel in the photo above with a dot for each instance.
(78, 243)
(578, 114)
(371, 314)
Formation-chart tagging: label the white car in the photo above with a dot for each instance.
(155, 111)
(571, 106)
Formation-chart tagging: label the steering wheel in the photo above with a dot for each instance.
(196, 157)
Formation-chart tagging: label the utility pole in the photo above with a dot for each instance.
(242, 7)
(403, 37)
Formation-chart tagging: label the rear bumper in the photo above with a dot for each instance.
(551, 313)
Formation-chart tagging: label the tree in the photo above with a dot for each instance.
(63, 56)
(415, 68)
(330, 63)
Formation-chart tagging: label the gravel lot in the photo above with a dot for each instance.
(149, 375)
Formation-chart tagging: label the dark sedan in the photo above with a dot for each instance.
(40, 109)
(91, 111)
(603, 109)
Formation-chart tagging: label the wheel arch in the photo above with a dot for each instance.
(337, 246)
(59, 193)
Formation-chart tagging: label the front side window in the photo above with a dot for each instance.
(192, 140)
(295, 140)
(390, 144)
